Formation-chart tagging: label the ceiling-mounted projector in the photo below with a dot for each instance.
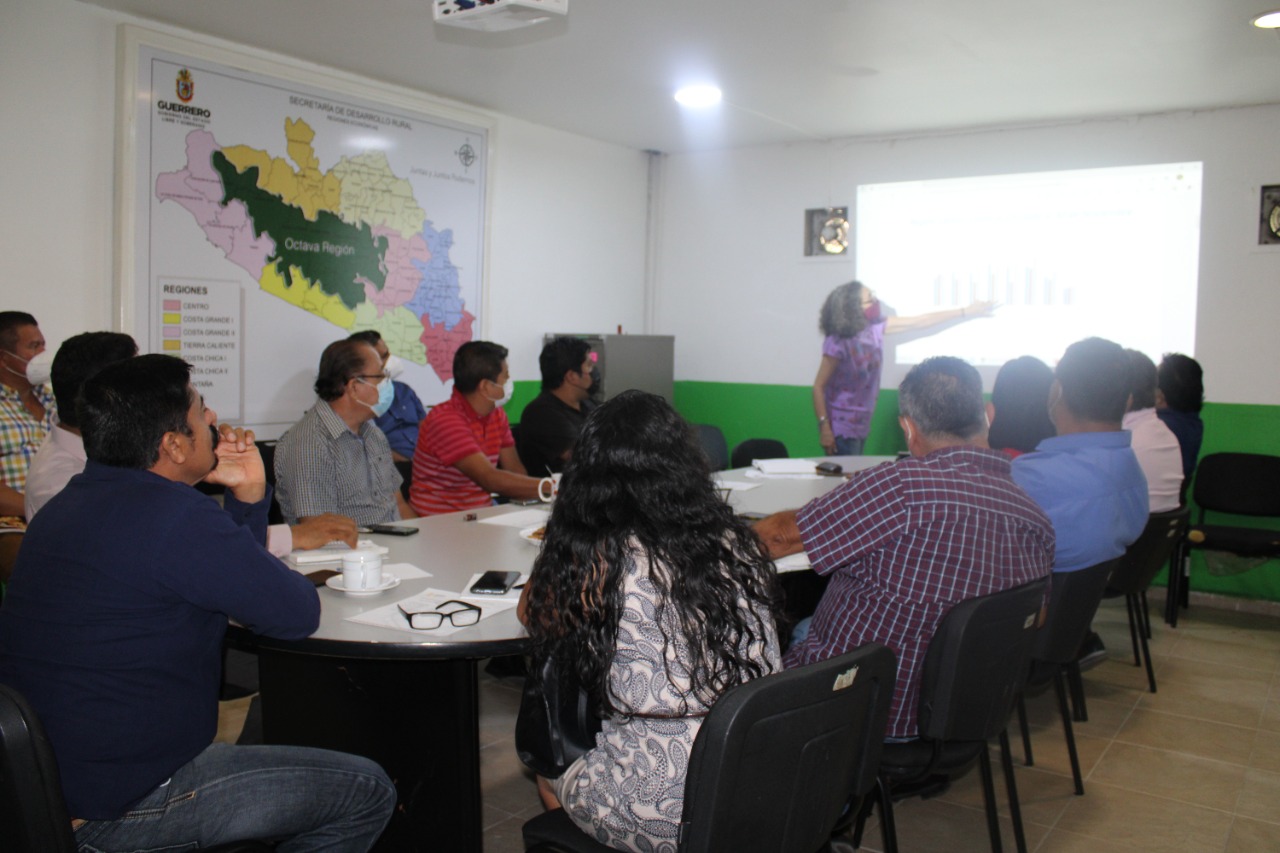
(494, 15)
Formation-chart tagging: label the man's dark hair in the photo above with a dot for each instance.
(126, 409)
(1142, 380)
(10, 322)
(559, 357)
(1094, 375)
(341, 362)
(943, 395)
(1181, 380)
(78, 360)
(372, 337)
(476, 361)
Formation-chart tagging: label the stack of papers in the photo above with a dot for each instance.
(783, 469)
(334, 552)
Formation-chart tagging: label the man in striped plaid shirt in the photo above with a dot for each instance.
(905, 541)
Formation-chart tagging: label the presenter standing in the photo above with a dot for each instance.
(848, 380)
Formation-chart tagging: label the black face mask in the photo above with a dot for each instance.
(597, 384)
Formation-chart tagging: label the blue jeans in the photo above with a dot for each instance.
(309, 799)
(849, 446)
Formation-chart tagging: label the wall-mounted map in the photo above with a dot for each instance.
(277, 217)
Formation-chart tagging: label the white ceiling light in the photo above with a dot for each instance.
(1268, 20)
(701, 95)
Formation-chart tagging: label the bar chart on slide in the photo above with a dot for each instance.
(1061, 255)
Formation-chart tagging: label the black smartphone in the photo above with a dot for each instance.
(393, 529)
(831, 469)
(495, 583)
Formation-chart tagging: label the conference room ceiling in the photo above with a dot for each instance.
(790, 71)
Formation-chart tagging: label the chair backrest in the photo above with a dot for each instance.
(714, 445)
(1073, 600)
(977, 662)
(779, 758)
(267, 449)
(1238, 483)
(757, 448)
(1147, 555)
(33, 814)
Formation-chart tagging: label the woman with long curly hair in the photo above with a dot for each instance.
(853, 325)
(659, 599)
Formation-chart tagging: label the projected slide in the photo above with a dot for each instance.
(1107, 252)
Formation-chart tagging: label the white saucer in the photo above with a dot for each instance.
(335, 582)
(527, 534)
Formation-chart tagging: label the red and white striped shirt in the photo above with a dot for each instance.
(450, 432)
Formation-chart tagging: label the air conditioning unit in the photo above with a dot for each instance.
(496, 15)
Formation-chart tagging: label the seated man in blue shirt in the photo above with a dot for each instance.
(399, 423)
(1087, 478)
(113, 630)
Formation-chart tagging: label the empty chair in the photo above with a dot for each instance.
(33, 813)
(757, 448)
(1140, 563)
(976, 666)
(714, 445)
(1073, 602)
(775, 763)
(1239, 484)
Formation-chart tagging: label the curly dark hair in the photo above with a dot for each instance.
(842, 315)
(638, 487)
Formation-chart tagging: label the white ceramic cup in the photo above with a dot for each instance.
(549, 487)
(362, 570)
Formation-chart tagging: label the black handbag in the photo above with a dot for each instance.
(556, 723)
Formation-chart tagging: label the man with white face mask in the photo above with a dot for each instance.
(400, 422)
(465, 449)
(27, 408)
(335, 460)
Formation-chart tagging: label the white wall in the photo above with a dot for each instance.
(567, 244)
(731, 257)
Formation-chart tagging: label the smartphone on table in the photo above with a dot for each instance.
(393, 529)
(495, 583)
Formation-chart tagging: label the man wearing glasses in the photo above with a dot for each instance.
(336, 459)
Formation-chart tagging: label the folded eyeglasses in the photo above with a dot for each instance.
(460, 615)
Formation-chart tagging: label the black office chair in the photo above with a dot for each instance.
(757, 448)
(1142, 562)
(33, 813)
(775, 763)
(1073, 601)
(713, 444)
(975, 667)
(267, 449)
(1235, 483)
(406, 476)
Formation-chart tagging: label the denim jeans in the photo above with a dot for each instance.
(849, 446)
(308, 799)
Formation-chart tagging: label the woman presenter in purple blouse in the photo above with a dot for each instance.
(848, 380)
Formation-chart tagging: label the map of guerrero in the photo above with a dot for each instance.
(350, 244)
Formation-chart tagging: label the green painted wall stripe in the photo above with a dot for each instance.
(785, 412)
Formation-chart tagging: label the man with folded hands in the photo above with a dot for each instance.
(113, 630)
(906, 541)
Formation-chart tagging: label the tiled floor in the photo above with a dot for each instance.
(1194, 767)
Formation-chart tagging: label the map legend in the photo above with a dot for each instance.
(199, 321)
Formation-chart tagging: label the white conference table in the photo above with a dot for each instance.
(410, 700)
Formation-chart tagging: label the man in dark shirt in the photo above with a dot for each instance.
(113, 630)
(549, 425)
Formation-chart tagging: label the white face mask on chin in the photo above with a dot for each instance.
(40, 368)
(508, 388)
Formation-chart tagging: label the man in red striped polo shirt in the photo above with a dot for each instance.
(465, 450)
